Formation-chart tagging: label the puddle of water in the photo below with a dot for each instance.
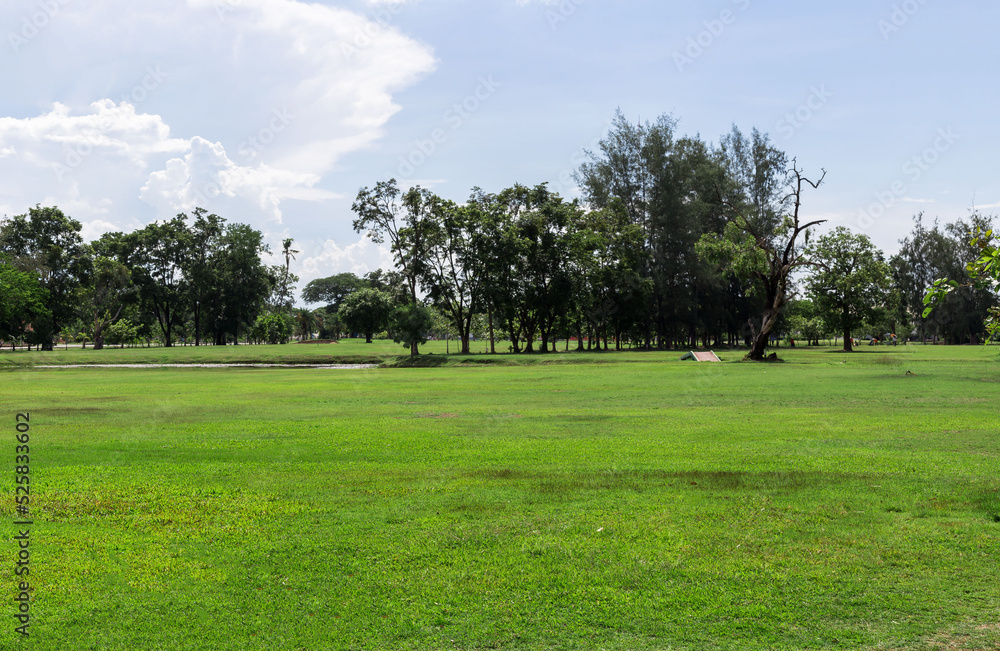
(320, 366)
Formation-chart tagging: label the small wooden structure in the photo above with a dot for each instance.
(710, 356)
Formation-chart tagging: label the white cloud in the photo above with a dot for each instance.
(150, 107)
(359, 258)
(95, 228)
(206, 176)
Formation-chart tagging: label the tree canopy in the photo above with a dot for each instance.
(850, 280)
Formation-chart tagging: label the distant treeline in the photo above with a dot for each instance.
(675, 243)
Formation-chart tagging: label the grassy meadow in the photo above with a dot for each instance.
(624, 501)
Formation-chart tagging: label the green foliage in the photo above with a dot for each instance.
(105, 295)
(306, 323)
(850, 282)
(366, 311)
(23, 302)
(761, 242)
(405, 219)
(454, 274)
(411, 324)
(735, 250)
(804, 321)
(121, 333)
(933, 270)
(156, 256)
(47, 243)
(210, 270)
(664, 193)
(332, 290)
(272, 328)
(984, 272)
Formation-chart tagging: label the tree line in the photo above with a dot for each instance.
(192, 277)
(675, 243)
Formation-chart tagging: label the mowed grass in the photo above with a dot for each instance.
(830, 502)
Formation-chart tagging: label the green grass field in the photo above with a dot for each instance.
(829, 502)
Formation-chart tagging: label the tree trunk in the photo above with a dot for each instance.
(98, 336)
(761, 340)
(489, 312)
(848, 342)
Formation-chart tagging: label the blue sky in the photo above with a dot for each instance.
(276, 112)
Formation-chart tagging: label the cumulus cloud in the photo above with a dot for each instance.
(358, 257)
(133, 111)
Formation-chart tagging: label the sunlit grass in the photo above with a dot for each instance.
(641, 503)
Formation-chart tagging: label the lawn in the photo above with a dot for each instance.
(829, 502)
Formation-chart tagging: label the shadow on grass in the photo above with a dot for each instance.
(418, 361)
(639, 480)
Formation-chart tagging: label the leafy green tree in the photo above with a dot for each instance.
(157, 255)
(305, 323)
(524, 245)
(850, 282)
(411, 322)
(391, 282)
(47, 243)
(454, 273)
(286, 279)
(200, 270)
(105, 295)
(242, 283)
(405, 219)
(272, 328)
(761, 242)
(609, 267)
(122, 332)
(983, 273)
(495, 242)
(623, 176)
(545, 233)
(385, 212)
(934, 253)
(23, 301)
(671, 190)
(804, 320)
(332, 290)
(367, 311)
